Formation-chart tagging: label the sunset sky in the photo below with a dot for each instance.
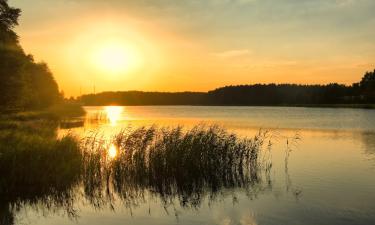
(178, 45)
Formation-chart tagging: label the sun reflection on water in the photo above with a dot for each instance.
(112, 151)
(114, 114)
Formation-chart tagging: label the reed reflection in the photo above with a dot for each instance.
(169, 164)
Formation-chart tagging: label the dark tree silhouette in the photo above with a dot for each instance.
(367, 86)
(257, 94)
(24, 84)
(8, 20)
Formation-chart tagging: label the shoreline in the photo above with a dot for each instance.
(343, 106)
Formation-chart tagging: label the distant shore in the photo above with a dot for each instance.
(357, 95)
(353, 106)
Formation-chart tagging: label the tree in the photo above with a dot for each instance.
(24, 84)
(367, 86)
(42, 87)
(368, 80)
(8, 20)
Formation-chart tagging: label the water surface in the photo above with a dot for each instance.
(327, 179)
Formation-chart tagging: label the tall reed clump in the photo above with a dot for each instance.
(39, 169)
(35, 166)
(173, 162)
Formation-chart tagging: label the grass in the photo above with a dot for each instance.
(44, 166)
(173, 163)
(33, 159)
(53, 113)
(66, 110)
(36, 168)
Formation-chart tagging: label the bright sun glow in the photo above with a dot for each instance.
(116, 58)
(112, 151)
(114, 114)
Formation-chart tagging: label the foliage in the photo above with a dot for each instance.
(24, 84)
(367, 84)
(65, 110)
(8, 20)
(257, 94)
(145, 98)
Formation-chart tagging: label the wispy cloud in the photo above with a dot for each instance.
(233, 53)
(346, 2)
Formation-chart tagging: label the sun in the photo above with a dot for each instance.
(115, 58)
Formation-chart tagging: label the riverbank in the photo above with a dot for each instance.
(55, 112)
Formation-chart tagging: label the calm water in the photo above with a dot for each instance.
(329, 177)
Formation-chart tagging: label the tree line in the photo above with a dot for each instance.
(362, 92)
(24, 83)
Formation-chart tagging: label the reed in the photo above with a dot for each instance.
(37, 169)
(172, 162)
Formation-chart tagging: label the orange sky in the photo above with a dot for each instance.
(198, 45)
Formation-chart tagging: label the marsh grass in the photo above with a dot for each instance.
(36, 168)
(98, 117)
(43, 166)
(66, 110)
(172, 163)
(169, 163)
(53, 113)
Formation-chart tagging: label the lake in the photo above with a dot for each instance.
(327, 177)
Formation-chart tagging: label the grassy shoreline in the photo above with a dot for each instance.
(53, 113)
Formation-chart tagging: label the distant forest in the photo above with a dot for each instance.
(257, 94)
(24, 84)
